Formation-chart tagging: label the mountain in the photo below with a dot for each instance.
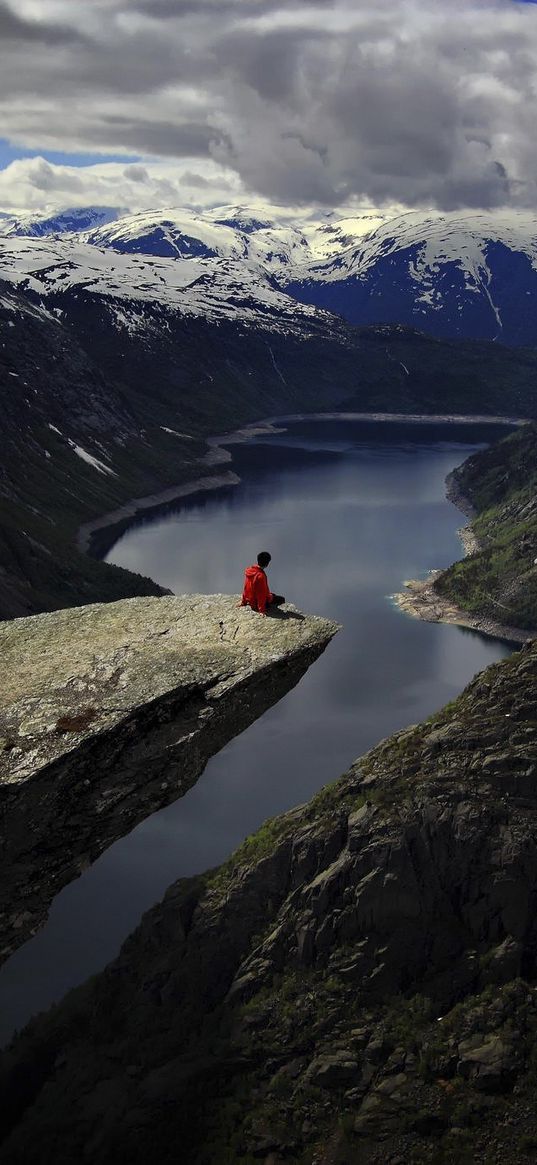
(106, 399)
(228, 233)
(115, 365)
(65, 429)
(356, 984)
(453, 275)
(65, 222)
(209, 285)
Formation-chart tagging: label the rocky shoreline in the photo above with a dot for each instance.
(411, 418)
(116, 521)
(97, 536)
(421, 600)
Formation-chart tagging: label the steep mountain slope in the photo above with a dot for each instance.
(357, 984)
(207, 286)
(96, 413)
(499, 581)
(70, 445)
(133, 360)
(453, 275)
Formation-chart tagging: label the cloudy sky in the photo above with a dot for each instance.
(313, 103)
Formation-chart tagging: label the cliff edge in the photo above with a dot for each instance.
(111, 711)
(357, 984)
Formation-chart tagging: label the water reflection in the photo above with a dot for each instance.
(348, 511)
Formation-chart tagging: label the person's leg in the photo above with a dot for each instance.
(277, 601)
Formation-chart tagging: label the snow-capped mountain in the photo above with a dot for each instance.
(466, 275)
(453, 275)
(234, 232)
(26, 223)
(211, 287)
(226, 233)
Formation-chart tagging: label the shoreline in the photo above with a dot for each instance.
(421, 601)
(411, 418)
(151, 502)
(218, 455)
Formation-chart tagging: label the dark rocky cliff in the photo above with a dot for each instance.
(356, 984)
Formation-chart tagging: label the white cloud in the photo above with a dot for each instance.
(298, 100)
(35, 184)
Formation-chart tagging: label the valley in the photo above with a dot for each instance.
(119, 357)
(283, 1006)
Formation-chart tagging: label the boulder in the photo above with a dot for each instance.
(337, 1070)
(489, 1061)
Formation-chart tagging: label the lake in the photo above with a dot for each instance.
(348, 511)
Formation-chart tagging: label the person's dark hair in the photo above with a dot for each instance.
(263, 559)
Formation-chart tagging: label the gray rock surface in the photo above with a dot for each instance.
(343, 990)
(108, 712)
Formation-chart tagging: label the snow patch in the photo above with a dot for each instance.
(91, 460)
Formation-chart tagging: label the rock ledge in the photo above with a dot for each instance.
(111, 711)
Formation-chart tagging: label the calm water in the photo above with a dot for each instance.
(348, 510)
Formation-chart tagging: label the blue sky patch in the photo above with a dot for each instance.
(9, 153)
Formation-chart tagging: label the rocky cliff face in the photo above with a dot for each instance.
(357, 984)
(109, 712)
(498, 486)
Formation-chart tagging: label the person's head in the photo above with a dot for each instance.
(263, 559)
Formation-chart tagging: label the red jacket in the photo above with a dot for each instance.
(256, 593)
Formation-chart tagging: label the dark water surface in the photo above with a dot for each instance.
(348, 510)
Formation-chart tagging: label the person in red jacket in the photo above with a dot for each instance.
(256, 592)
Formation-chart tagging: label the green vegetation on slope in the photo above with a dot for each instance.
(355, 986)
(500, 580)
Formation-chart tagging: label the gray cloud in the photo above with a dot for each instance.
(196, 181)
(222, 9)
(305, 100)
(164, 138)
(14, 29)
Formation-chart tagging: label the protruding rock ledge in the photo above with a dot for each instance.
(341, 990)
(111, 711)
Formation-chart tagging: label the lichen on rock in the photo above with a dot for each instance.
(110, 711)
(356, 984)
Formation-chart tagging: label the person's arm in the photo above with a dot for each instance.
(244, 600)
(263, 595)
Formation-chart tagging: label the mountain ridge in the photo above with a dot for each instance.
(455, 275)
(165, 352)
